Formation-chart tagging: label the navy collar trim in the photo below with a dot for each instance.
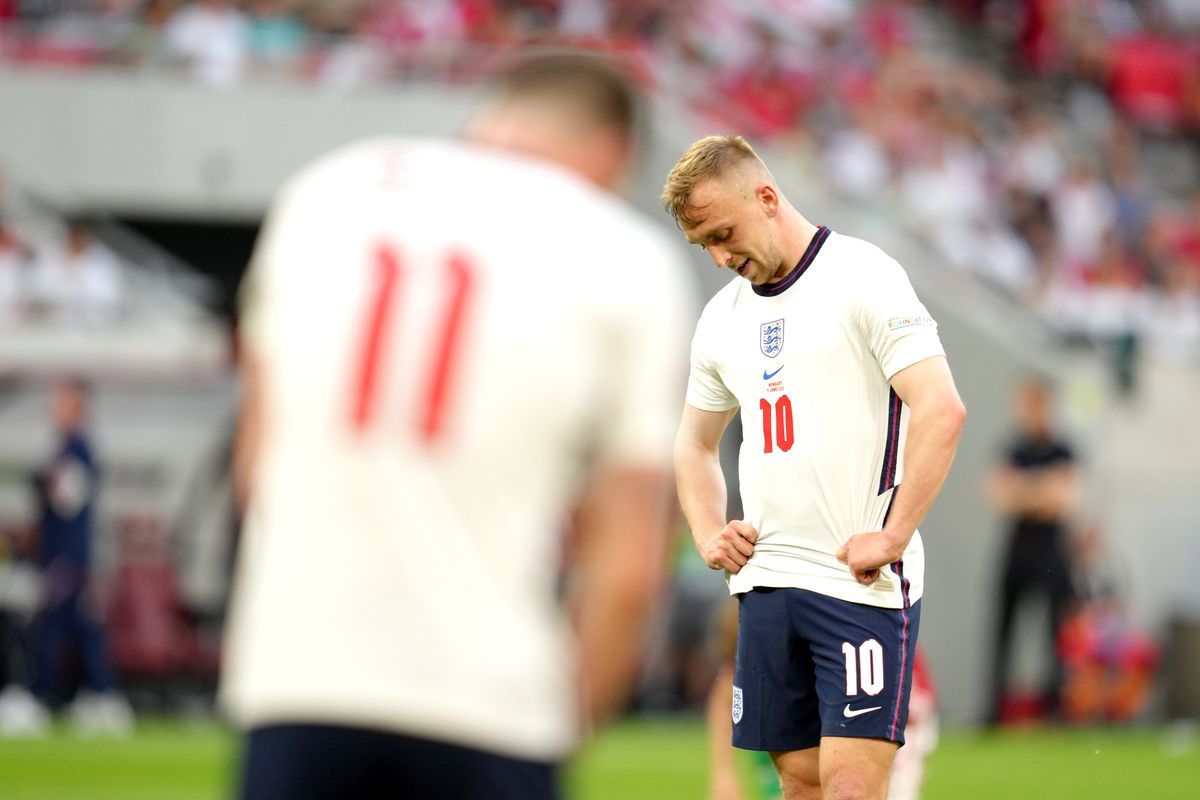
(806, 260)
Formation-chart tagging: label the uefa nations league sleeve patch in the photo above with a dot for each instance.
(737, 705)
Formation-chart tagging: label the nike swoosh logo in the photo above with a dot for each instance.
(767, 377)
(851, 714)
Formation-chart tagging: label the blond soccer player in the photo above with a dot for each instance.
(850, 420)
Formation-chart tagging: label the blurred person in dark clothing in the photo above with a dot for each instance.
(66, 491)
(1035, 486)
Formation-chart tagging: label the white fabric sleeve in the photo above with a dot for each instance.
(647, 364)
(895, 324)
(706, 391)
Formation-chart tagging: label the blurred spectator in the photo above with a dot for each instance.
(78, 282)
(1110, 664)
(929, 125)
(1149, 80)
(1034, 487)
(145, 43)
(1083, 211)
(277, 34)
(584, 19)
(13, 259)
(210, 37)
(349, 57)
(70, 616)
(1032, 164)
(855, 162)
(1173, 327)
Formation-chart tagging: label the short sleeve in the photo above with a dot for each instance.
(897, 327)
(706, 391)
(647, 364)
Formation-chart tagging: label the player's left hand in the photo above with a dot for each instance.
(865, 553)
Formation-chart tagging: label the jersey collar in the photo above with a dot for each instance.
(810, 253)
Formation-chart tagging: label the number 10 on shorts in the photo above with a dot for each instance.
(864, 665)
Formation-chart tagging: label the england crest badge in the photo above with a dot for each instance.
(737, 705)
(770, 338)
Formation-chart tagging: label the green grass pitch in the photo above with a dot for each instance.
(637, 760)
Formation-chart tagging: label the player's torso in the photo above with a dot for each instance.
(436, 373)
(821, 428)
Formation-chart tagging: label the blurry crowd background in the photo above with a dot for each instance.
(1047, 147)
(1047, 150)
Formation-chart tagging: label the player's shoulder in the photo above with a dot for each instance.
(726, 299)
(860, 253)
(367, 161)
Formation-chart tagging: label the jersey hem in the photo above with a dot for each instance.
(851, 594)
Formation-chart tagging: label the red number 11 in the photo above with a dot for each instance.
(388, 285)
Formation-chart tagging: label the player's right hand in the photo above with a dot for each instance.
(731, 547)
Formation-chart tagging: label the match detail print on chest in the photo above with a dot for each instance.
(774, 404)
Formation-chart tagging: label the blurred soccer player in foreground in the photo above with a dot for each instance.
(850, 421)
(450, 347)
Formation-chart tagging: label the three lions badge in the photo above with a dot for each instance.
(770, 338)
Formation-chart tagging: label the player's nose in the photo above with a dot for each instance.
(720, 257)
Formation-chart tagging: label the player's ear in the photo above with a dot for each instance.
(768, 199)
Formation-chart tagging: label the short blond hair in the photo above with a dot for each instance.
(707, 158)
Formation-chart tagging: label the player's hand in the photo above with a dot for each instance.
(731, 547)
(865, 553)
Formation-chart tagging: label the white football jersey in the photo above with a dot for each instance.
(808, 361)
(451, 338)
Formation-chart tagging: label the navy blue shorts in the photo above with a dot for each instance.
(325, 762)
(809, 665)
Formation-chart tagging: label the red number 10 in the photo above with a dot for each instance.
(785, 434)
(388, 277)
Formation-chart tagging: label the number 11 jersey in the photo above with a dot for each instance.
(452, 339)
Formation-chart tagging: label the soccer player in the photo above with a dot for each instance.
(844, 391)
(452, 347)
(67, 489)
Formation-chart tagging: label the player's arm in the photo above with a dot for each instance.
(623, 525)
(936, 416)
(249, 429)
(1045, 493)
(702, 493)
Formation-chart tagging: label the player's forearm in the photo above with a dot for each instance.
(932, 441)
(614, 606)
(701, 487)
(621, 567)
(249, 431)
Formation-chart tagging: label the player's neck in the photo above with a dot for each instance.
(797, 235)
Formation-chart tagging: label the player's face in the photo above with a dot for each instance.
(738, 228)
(67, 404)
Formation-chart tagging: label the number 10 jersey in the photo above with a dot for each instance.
(809, 360)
